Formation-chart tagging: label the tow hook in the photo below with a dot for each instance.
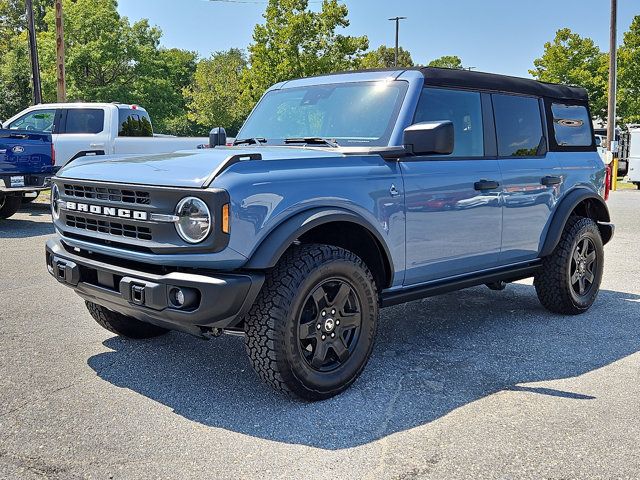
(208, 333)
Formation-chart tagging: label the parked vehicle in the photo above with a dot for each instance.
(26, 165)
(634, 156)
(82, 129)
(343, 194)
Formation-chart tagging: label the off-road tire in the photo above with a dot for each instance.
(553, 282)
(9, 204)
(272, 325)
(123, 325)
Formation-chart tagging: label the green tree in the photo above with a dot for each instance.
(15, 79)
(574, 60)
(446, 61)
(384, 57)
(629, 75)
(297, 42)
(213, 99)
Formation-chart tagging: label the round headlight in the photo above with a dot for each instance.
(55, 204)
(194, 219)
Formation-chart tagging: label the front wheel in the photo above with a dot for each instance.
(569, 279)
(311, 331)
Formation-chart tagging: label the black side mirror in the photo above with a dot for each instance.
(217, 137)
(429, 138)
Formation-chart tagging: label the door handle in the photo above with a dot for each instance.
(486, 185)
(96, 145)
(550, 180)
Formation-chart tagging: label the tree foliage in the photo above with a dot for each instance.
(215, 94)
(629, 75)
(384, 57)
(446, 61)
(296, 42)
(574, 60)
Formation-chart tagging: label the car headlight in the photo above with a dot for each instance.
(55, 203)
(194, 220)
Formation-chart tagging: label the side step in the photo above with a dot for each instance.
(436, 288)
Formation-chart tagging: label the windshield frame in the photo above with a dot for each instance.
(345, 142)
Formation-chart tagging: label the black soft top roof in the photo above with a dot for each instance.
(448, 77)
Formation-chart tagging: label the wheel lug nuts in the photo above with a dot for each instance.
(324, 337)
(333, 335)
(318, 326)
(337, 322)
(324, 313)
(333, 311)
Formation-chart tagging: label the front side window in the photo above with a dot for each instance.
(38, 120)
(84, 120)
(571, 125)
(518, 126)
(352, 114)
(463, 109)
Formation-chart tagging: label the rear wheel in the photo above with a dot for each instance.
(123, 325)
(9, 204)
(569, 279)
(311, 330)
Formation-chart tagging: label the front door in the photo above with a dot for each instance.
(453, 206)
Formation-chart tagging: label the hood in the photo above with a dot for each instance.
(189, 169)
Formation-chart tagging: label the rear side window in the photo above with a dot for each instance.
(463, 109)
(38, 121)
(571, 125)
(134, 123)
(84, 120)
(518, 126)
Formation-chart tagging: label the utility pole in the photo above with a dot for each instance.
(61, 82)
(397, 20)
(33, 48)
(613, 46)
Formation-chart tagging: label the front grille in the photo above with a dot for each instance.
(107, 193)
(109, 227)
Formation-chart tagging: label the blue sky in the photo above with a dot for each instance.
(501, 36)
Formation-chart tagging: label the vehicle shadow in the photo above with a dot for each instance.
(431, 357)
(32, 220)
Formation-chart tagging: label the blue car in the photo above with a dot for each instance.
(341, 195)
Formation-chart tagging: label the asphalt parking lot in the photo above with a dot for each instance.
(474, 384)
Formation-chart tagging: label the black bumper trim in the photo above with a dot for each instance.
(222, 299)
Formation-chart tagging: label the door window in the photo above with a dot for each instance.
(84, 120)
(518, 126)
(571, 125)
(463, 109)
(38, 120)
(134, 123)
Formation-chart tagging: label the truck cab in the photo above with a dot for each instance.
(342, 194)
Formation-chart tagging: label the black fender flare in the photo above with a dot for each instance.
(599, 213)
(284, 234)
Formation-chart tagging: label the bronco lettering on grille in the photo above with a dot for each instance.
(106, 211)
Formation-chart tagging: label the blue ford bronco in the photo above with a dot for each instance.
(342, 194)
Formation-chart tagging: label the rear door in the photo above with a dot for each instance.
(453, 211)
(83, 131)
(531, 176)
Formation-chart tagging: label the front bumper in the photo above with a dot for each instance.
(31, 183)
(220, 299)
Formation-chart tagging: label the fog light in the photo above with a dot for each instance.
(183, 297)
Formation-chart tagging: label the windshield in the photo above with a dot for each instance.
(350, 114)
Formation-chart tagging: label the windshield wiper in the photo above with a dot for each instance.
(312, 141)
(250, 141)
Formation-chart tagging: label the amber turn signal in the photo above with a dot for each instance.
(225, 218)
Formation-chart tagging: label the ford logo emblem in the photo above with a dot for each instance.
(17, 149)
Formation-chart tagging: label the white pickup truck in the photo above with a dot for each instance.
(80, 129)
(634, 156)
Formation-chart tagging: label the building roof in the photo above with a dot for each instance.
(448, 77)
